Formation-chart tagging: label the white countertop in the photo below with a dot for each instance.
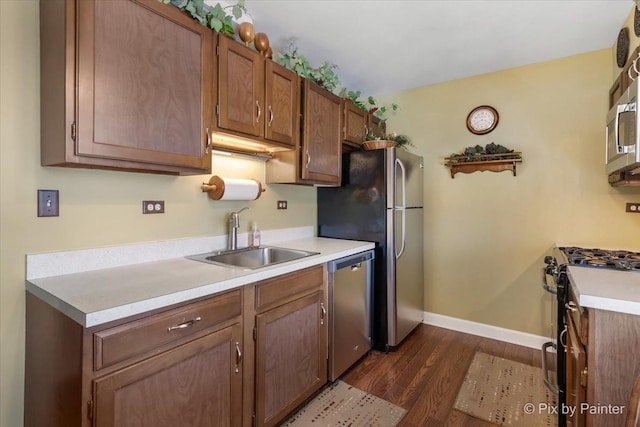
(95, 297)
(611, 290)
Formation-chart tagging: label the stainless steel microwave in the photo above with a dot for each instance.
(623, 137)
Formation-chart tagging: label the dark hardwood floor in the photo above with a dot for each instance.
(424, 373)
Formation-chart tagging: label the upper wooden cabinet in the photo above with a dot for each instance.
(355, 123)
(317, 160)
(358, 124)
(125, 85)
(376, 125)
(257, 98)
(321, 145)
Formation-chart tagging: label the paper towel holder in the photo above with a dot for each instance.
(216, 187)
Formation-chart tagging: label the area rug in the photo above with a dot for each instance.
(506, 393)
(343, 405)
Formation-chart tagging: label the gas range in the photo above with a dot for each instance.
(599, 258)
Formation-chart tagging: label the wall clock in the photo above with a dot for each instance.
(482, 120)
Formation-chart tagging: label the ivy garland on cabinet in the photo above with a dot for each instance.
(218, 19)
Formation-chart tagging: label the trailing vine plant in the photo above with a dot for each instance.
(214, 17)
(325, 75)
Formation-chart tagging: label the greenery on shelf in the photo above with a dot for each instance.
(214, 17)
(400, 139)
(490, 152)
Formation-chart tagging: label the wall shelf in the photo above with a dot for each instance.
(483, 162)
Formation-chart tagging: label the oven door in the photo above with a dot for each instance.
(550, 370)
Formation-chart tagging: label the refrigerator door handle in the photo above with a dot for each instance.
(403, 207)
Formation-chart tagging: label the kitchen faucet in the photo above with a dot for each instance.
(234, 223)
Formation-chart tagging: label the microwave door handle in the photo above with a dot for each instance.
(616, 132)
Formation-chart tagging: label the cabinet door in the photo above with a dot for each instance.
(283, 104)
(240, 88)
(291, 357)
(355, 123)
(377, 126)
(144, 84)
(321, 146)
(196, 384)
(576, 375)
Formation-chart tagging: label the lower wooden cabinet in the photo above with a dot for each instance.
(291, 357)
(175, 367)
(249, 356)
(285, 322)
(196, 384)
(602, 364)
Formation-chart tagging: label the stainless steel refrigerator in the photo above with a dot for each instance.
(381, 200)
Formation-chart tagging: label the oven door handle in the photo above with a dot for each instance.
(552, 387)
(545, 283)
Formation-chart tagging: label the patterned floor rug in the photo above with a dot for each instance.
(506, 393)
(343, 405)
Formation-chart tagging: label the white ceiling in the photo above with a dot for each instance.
(384, 46)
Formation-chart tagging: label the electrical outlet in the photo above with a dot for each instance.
(282, 204)
(633, 207)
(48, 203)
(152, 206)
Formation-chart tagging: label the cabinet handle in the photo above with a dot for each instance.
(208, 146)
(270, 115)
(308, 160)
(571, 306)
(184, 325)
(324, 313)
(259, 111)
(238, 357)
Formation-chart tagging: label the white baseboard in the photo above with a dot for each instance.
(486, 331)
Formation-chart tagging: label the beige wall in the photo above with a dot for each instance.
(97, 208)
(486, 233)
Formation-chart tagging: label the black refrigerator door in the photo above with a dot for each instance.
(356, 210)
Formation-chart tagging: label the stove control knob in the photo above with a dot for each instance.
(549, 260)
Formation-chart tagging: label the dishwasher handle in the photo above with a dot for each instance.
(349, 261)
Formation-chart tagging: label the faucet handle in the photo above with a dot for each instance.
(243, 209)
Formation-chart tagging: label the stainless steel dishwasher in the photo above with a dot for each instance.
(350, 293)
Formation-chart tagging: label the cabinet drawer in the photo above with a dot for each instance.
(144, 336)
(274, 292)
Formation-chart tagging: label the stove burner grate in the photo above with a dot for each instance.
(602, 258)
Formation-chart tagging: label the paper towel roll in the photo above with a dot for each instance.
(232, 188)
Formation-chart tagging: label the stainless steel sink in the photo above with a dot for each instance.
(252, 258)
